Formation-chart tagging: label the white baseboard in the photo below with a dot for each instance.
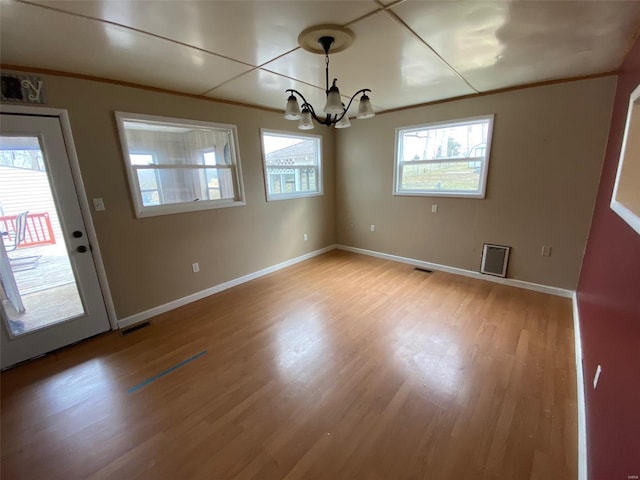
(560, 292)
(152, 312)
(582, 418)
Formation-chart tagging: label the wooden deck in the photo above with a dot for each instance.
(53, 269)
(48, 289)
(341, 367)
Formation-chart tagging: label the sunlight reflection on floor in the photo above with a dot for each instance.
(429, 357)
(303, 346)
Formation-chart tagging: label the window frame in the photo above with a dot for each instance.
(156, 175)
(206, 175)
(625, 174)
(319, 167)
(142, 211)
(480, 193)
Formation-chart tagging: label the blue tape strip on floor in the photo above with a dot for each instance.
(167, 371)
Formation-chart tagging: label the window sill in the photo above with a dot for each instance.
(271, 198)
(174, 208)
(475, 195)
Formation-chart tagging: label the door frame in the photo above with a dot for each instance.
(85, 209)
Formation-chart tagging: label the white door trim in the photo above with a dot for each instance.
(82, 196)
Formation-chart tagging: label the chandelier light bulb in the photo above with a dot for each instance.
(306, 121)
(334, 102)
(343, 122)
(364, 109)
(292, 112)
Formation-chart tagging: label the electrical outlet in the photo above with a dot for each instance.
(373, 228)
(306, 237)
(546, 251)
(434, 208)
(195, 267)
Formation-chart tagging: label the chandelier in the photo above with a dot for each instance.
(321, 39)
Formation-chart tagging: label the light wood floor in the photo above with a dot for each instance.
(342, 367)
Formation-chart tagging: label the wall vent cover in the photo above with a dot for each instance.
(495, 259)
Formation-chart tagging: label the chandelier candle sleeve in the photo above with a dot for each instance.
(321, 39)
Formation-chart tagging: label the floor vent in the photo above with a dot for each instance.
(425, 270)
(129, 330)
(494, 260)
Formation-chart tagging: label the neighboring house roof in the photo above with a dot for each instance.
(302, 149)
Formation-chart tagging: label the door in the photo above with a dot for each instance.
(50, 295)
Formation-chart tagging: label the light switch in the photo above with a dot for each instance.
(98, 204)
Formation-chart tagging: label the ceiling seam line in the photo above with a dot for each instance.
(390, 5)
(421, 40)
(266, 70)
(278, 57)
(381, 8)
(228, 80)
(137, 30)
(292, 78)
(362, 17)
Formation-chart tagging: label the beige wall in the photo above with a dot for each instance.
(546, 157)
(148, 260)
(547, 152)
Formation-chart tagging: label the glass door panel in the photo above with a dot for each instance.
(44, 287)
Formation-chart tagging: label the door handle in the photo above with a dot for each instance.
(77, 234)
(82, 249)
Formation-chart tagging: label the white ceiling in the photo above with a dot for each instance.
(407, 52)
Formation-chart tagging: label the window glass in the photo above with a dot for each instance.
(292, 164)
(444, 159)
(179, 165)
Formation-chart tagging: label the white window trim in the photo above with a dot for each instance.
(137, 167)
(142, 211)
(482, 187)
(203, 152)
(289, 196)
(626, 213)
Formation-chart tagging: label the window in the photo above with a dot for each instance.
(444, 159)
(292, 164)
(179, 165)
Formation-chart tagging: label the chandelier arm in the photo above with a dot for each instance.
(327, 121)
(362, 90)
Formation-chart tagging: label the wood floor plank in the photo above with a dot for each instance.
(341, 367)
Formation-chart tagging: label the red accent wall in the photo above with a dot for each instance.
(609, 306)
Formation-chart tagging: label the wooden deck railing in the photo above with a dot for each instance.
(38, 232)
